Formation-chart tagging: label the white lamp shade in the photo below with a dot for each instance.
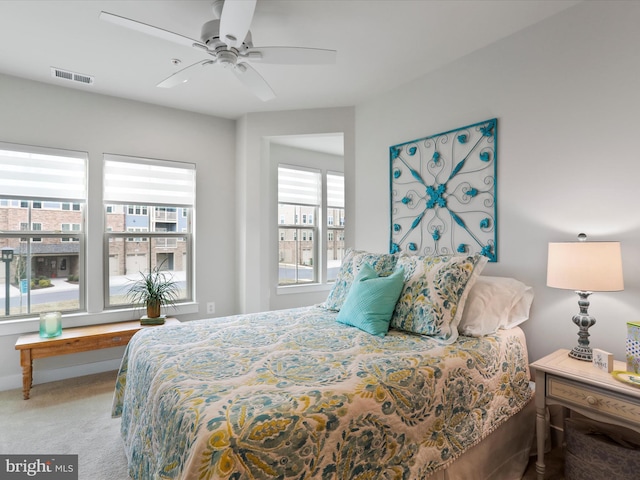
(585, 266)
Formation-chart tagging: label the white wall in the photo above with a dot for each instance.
(37, 114)
(566, 95)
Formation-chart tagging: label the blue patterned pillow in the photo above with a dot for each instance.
(434, 292)
(382, 263)
(371, 300)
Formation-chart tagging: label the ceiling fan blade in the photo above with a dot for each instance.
(184, 75)
(291, 55)
(254, 81)
(235, 21)
(151, 30)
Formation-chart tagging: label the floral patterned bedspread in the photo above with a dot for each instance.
(293, 394)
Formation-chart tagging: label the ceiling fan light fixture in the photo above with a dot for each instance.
(227, 58)
(232, 24)
(210, 33)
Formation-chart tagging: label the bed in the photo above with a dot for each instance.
(302, 394)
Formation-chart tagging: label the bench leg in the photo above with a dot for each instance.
(27, 372)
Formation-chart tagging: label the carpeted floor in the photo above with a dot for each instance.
(74, 417)
(67, 417)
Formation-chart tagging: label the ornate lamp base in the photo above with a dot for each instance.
(583, 320)
(581, 353)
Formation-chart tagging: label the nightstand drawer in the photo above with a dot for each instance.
(115, 340)
(593, 399)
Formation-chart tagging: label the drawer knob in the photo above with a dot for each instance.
(592, 400)
(116, 339)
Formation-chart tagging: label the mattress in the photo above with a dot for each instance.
(294, 394)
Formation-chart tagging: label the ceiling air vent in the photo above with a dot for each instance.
(71, 76)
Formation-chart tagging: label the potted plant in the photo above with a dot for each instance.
(154, 290)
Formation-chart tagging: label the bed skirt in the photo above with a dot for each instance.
(503, 455)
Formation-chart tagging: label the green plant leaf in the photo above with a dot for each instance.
(155, 286)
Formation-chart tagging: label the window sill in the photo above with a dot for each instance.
(28, 325)
(297, 289)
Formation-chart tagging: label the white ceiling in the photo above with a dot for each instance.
(381, 45)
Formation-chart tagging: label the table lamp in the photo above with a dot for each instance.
(585, 267)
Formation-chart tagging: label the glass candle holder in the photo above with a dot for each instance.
(50, 324)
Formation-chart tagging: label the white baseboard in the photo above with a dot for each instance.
(11, 382)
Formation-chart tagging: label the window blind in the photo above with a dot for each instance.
(36, 172)
(300, 187)
(335, 190)
(142, 181)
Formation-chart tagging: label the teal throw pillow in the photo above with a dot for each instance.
(371, 300)
(382, 263)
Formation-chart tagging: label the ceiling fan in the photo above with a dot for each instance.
(227, 41)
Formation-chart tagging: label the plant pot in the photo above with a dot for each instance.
(153, 309)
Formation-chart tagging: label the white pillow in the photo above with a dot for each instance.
(493, 303)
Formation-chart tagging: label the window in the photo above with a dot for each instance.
(133, 229)
(302, 259)
(70, 206)
(36, 227)
(154, 197)
(47, 269)
(137, 210)
(70, 227)
(299, 194)
(335, 230)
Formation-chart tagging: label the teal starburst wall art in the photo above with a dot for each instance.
(443, 193)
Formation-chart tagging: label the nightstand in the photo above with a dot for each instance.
(581, 387)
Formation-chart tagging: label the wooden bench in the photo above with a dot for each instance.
(74, 340)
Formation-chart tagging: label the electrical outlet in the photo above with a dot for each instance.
(211, 307)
